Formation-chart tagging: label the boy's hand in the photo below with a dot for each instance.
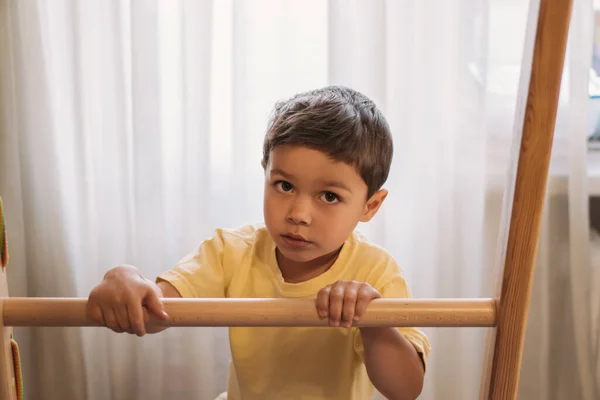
(344, 302)
(121, 301)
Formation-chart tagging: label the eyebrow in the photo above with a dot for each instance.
(336, 184)
(282, 173)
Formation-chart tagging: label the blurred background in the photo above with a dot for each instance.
(130, 130)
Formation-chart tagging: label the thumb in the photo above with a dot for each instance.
(154, 304)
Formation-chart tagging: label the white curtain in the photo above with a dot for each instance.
(129, 130)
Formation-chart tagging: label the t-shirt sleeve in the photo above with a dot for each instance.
(200, 273)
(397, 288)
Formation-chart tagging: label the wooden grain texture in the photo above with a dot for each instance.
(262, 312)
(8, 389)
(550, 31)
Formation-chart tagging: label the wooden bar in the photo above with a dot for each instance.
(545, 46)
(261, 312)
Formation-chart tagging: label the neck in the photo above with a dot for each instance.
(300, 271)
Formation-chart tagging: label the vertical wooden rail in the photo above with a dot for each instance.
(8, 389)
(540, 109)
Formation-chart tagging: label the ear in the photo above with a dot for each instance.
(373, 205)
(263, 164)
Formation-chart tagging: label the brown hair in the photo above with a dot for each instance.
(342, 123)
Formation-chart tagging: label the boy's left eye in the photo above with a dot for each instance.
(330, 197)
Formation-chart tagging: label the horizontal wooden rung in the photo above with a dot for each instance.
(39, 311)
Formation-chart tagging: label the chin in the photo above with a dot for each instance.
(297, 256)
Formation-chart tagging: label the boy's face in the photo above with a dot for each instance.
(312, 203)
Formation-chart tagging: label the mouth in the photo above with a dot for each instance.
(296, 241)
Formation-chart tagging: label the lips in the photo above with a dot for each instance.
(295, 237)
(295, 241)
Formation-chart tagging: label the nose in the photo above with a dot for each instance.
(300, 212)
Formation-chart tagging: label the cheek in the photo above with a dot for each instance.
(272, 206)
(341, 220)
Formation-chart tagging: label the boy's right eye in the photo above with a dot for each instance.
(284, 186)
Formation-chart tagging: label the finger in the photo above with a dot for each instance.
(152, 301)
(94, 312)
(123, 318)
(103, 323)
(136, 318)
(350, 296)
(111, 320)
(366, 293)
(146, 315)
(323, 301)
(336, 302)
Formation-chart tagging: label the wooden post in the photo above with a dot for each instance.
(537, 106)
(8, 388)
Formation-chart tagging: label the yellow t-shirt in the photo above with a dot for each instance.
(289, 363)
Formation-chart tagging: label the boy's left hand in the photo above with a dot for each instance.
(344, 302)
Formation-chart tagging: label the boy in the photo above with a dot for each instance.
(326, 155)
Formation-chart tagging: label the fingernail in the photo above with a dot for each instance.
(335, 323)
(356, 318)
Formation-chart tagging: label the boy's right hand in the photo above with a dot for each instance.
(122, 300)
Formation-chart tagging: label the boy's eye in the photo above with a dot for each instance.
(330, 197)
(284, 186)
